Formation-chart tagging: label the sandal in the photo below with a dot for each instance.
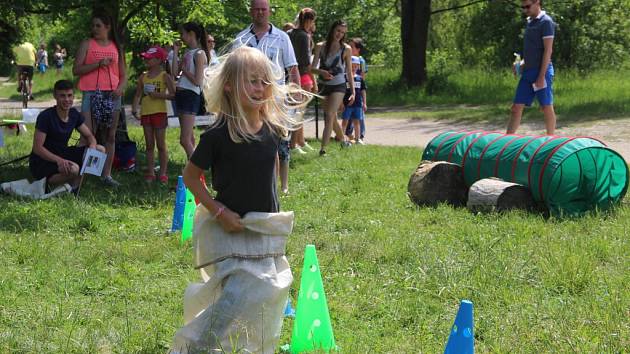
(163, 179)
(149, 178)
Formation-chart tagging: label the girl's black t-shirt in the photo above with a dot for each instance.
(243, 174)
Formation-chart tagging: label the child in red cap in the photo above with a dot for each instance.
(154, 87)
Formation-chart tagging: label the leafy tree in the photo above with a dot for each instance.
(412, 34)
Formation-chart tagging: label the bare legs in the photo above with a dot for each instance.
(284, 176)
(153, 137)
(110, 140)
(149, 140)
(356, 124)
(517, 114)
(297, 138)
(186, 136)
(330, 105)
(72, 177)
(160, 139)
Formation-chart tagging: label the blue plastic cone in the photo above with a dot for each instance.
(461, 339)
(180, 202)
(289, 311)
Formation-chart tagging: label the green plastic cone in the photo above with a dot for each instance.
(312, 329)
(189, 216)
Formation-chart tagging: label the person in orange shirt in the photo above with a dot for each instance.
(100, 66)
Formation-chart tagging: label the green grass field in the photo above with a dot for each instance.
(475, 95)
(100, 274)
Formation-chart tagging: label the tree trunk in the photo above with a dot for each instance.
(437, 182)
(492, 194)
(414, 34)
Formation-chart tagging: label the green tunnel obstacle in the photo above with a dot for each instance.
(571, 175)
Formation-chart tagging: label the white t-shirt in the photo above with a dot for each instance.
(276, 45)
(42, 57)
(214, 60)
(190, 65)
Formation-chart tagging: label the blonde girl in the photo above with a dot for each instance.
(241, 150)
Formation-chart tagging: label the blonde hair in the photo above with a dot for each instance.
(280, 107)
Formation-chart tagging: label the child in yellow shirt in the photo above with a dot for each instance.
(154, 87)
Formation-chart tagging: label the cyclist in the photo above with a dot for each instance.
(25, 61)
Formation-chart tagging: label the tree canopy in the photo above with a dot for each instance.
(591, 33)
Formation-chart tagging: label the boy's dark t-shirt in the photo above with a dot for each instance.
(243, 174)
(57, 131)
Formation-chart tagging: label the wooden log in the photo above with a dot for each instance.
(492, 194)
(437, 182)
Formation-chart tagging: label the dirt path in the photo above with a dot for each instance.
(418, 132)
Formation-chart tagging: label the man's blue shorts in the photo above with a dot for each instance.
(352, 113)
(525, 92)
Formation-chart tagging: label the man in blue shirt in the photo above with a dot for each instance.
(537, 71)
(51, 157)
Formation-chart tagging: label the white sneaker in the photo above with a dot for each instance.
(299, 150)
(308, 147)
(360, 142)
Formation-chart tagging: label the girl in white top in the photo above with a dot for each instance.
(191, 67)
(332, 61)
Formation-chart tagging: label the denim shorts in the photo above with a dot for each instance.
(327, 90)
(352, 113)
(284, 154)
(85, 101)
(187, 101)
(525, 93)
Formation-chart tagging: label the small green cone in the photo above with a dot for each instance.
(189, 216)
(312, 329)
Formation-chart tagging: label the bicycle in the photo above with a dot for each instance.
(24, 88)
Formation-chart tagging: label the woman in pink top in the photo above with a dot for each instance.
(100, 64)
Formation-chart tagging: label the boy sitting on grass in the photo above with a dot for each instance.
(51, 157)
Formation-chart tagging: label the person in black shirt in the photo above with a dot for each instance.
(241, 150)
(51, 156)
(241, 147)
(303, 47)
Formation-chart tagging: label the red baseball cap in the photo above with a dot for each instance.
(155, 52)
